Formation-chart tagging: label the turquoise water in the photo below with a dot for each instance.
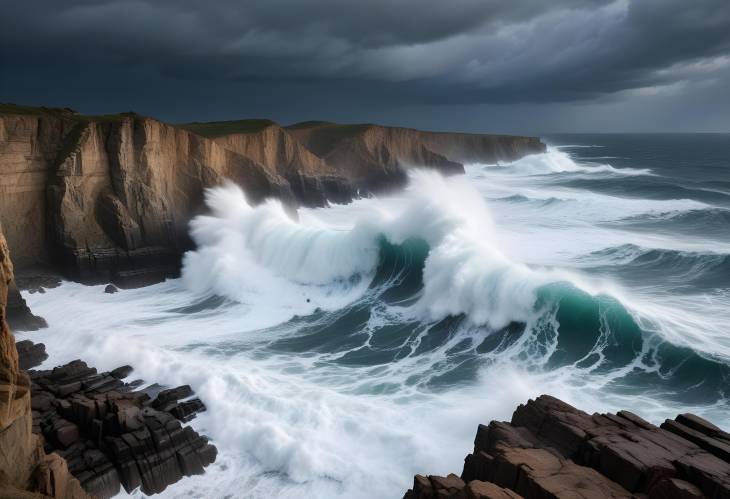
(341, 353)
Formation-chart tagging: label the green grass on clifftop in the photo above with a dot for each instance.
(37, 111)
(215, 129)
(60, 112)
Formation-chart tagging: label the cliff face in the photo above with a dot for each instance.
(313, 181)
(354, 150)
(28, 147)
(371, 157)
(106, 198)
(125, 191)
(25, 469)
(474, 148)
(109, 198)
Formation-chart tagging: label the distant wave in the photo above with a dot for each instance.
(706, 221)
(555, 161)
(683, 268)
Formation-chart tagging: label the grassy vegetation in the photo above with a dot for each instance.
(60, 112)
(327, 132)
(303, 125)
(215, 129)
(36, 111)
(331, 128)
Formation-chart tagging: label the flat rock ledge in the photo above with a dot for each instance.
(553, 450)
(110, 434)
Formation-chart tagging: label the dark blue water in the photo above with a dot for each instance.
(370, 339)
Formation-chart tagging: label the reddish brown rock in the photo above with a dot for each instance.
(25, 469)
(487, 490)
(553, 450)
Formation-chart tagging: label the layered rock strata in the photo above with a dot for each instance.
(26, 471)
(112, 435)
(109, 197)
(553, 450)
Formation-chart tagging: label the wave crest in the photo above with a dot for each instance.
(555, 161)
(259, 255)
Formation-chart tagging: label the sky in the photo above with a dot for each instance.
(519, 66)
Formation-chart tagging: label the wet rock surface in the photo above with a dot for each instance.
(110, 434)
(25, 469)
(30, 354)
(553, 450)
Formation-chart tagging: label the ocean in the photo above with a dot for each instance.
(341, 353)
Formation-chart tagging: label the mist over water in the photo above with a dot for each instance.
(343, 352)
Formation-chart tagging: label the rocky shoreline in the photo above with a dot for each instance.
(78, 433)
(74, 433)
(110, 433)
(105, 199)
(553, 450)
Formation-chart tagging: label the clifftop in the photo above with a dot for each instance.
(213, 129)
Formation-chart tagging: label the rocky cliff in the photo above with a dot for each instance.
(477, 148)
(25, 469)
(553, 450)
(108, 198)
(312, 180)
(371, 157)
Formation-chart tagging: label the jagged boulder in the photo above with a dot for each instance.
(113, 436)
(553, 450)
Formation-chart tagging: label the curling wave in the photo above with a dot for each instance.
(327, 345)
(259, 254)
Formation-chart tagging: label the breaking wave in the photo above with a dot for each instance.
(557, 161)
(342, 350)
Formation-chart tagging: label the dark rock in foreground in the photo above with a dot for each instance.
(553, 450)
(111, 435)
(19, 316)
(30, 354)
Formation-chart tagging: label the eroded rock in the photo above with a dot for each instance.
(553, 450)
(112, 436)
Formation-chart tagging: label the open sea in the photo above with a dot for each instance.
(343, 352)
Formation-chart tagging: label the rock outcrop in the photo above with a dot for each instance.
(373, 158)
(111, 435)
(108, 198)
(25, 469)
(553, 450)
(312, 181)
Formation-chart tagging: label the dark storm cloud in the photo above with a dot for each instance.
(400, 51)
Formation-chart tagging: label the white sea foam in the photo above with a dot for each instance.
(293, 406)
(258, 255)
(558, 161)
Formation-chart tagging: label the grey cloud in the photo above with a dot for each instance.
(398, 52)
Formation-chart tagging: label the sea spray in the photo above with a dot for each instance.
(341, 353)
